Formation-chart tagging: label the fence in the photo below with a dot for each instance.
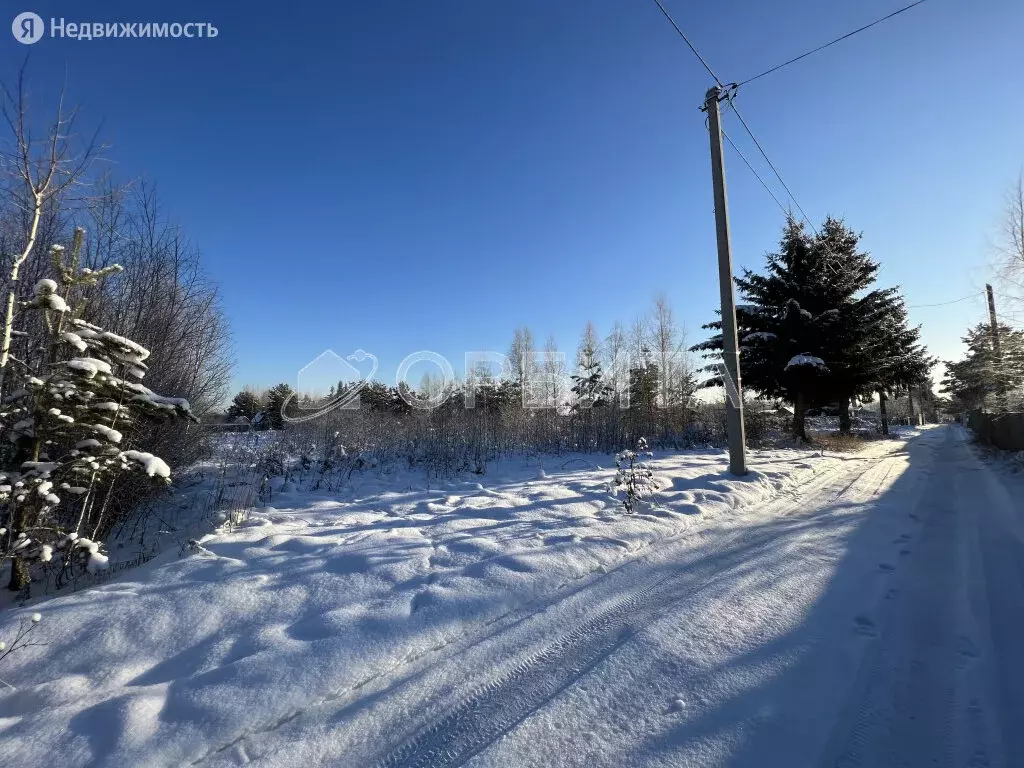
(1005, 430)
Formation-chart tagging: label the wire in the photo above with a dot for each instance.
(787, 212)
(692, 48)
(771, 165)
(1011, 320)
(756, 174)
(830, 43)
(944, 303)
(817, 234)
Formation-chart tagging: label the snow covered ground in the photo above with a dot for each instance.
(860, 609)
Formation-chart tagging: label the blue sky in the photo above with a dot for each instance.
(398, 175)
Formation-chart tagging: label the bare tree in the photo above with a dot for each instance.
(639, 342)
(669, 342)
(522, 357)
(554, 374)
(164, 299)
(1010, 247)
(616, 358)
(665, 333)
(36, 170)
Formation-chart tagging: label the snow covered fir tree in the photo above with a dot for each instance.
(589, 388)
(987, 376)
(814, 331)
(69, 420)
(245, 405)
(634, 476)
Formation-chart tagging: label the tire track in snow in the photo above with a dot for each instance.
(498, 706)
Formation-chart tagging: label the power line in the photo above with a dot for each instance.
(778, 176)
(756, 174)
(945, 303)
(730, 93)
(692, 48)
(830, 43)
(788, 212)
(770, 164)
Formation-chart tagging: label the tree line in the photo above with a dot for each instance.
(614, 392)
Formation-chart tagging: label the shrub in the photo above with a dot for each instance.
(635, 476)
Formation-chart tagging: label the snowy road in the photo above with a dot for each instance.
(871, 617)
(944, 684)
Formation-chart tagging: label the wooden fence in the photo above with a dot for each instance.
(1004, 430)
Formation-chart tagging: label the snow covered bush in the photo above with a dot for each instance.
(65, 435)
(634, 476)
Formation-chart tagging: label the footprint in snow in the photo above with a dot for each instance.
(886, 567)
(865, 626)
(966, 648)
(424, 600)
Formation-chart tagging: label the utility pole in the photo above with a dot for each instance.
(730, 342)
(997, 355)
(993, 327)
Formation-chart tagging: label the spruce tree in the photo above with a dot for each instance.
(784, 326)
(899, 361)
(277, 399)
(69, 429)
(246, 404)
(644, 388)
(871, 346)
(379, 397)
(812, 331)
(983, 378)
(589, 388)
(684, 386)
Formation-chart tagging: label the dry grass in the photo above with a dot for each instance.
(850, 443)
